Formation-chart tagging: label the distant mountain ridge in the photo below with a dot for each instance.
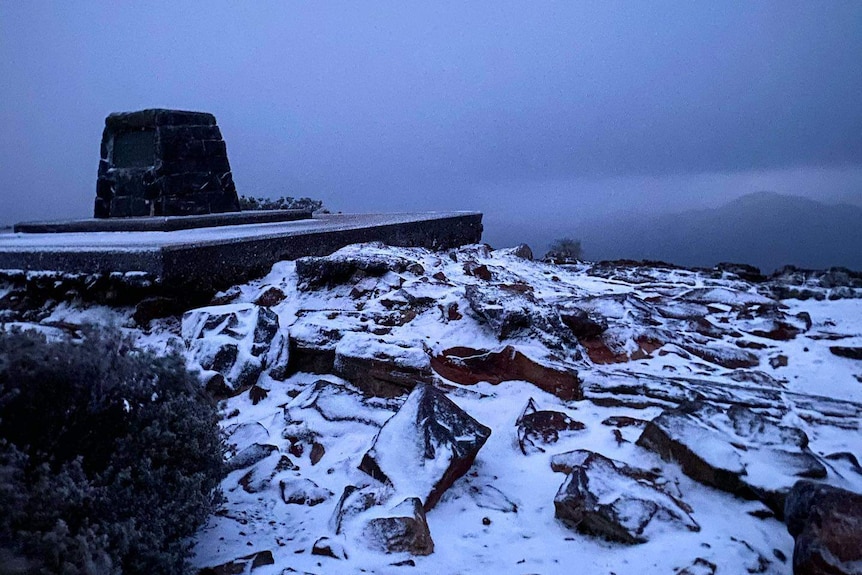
(765, 229)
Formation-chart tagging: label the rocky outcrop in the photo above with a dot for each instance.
(513, 312)
(345, 267)
(237, 342)
(826, 523)
(733, 449)
(613, 500)
(427, 445)
(468, 366)
(582, 324)
(327, 402)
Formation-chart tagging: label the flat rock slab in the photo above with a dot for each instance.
(161, 223)
(212, 258)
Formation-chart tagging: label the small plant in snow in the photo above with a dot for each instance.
(564, 250)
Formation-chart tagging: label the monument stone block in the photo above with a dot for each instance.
(163, 163)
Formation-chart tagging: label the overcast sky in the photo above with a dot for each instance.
(566, 110)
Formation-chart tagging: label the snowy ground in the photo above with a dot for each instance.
(499, 517)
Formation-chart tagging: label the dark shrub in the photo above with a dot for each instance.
(564, 250)
(110, 458)
(283, 203)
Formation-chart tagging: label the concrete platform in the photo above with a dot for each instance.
(163, 223)
(212, 258)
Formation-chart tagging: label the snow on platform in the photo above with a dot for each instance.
(215, 257)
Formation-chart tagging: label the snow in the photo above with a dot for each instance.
(499, 517)
(152, 241)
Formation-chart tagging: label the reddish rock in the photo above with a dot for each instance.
(826, 523)
(779, 331)
(449, 312)
(745, 344)
(356, 500)
(405, 530)
(328, 547)
(270, 297)
(257, 394)
(379, 367)
(541, 427)
(722, 355)
(522, 251)
(317, 452)
(468, 366)
(480, 271)
(600, 352)
(624, 421)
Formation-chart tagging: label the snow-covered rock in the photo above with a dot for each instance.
(302, 491)
(425, 447)
(380, 365)
(403, 530)
(664, 336)
(735, 450)
(613, 500)
(237, 342)
(350, 264)
(511, 310)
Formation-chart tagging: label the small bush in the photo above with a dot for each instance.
(564, 250)
(110, 458)
(283, 203)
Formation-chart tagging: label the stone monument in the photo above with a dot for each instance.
(163, 177)
(163, 163)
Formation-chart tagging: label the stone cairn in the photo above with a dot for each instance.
(163, 163)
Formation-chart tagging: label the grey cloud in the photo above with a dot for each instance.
(430, 105)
